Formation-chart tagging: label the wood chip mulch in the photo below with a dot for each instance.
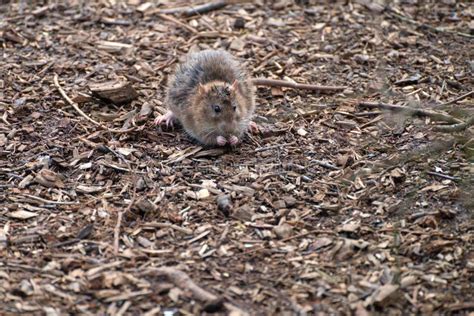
(343, 204)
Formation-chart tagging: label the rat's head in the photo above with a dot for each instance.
(220, 110)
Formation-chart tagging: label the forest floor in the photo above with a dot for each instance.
(341, 205)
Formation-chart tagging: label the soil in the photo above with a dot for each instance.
(336, 207)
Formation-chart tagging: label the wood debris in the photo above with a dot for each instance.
(355, 198)
(116, 92)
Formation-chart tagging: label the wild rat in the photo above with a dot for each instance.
(212, 97)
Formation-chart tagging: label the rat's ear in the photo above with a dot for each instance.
(202, 89)
(235, 86)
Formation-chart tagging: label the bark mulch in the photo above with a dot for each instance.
(348, 202)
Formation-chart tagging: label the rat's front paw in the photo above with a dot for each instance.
(221, 141)
(253, 128)
(168, 117)
(233, 140)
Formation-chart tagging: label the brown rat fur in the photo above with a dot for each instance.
(212, 97)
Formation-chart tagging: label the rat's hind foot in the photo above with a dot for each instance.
(253, 128)
(221, 141)
(233, 140)
(168, 117)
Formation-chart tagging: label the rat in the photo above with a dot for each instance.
(212, 97)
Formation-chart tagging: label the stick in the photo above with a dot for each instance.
(119, 218)
(49, 201)
(315, 231)
(462, 97)
(199, 9)
(178, 22)
(184, 230)
(455, 127)
(412, 111)
(325, 165)
(117, 232)
(288, 84)
(444, 176)
(76, 107)
(183, 281)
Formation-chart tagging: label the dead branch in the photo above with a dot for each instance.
(455, 127)
(199, 9)
(293, 85)
(84, 115)
(412, 111)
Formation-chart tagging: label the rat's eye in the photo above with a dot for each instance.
(234, 108)
(216, 108)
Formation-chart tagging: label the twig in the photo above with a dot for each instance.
(441, 175)
(120, 215)
(107, 164)
(456, 127)
(412, 111)
(422, 214)
(4, 118)
(153, 311)
(74, 105)
(461, 306)
(402, 17)
(84, 115)
(45, 69)
(49, 201)
(288, 84)
(28, 268)
(199, 9)
(325, 164)
(183, 281)
(461, 97)
(183, 230)
(368, 113)
(315, 231)
(375, 120)
(178, 22)
(117, 232)
(127, 303)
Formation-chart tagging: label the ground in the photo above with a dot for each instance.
(336, 207)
